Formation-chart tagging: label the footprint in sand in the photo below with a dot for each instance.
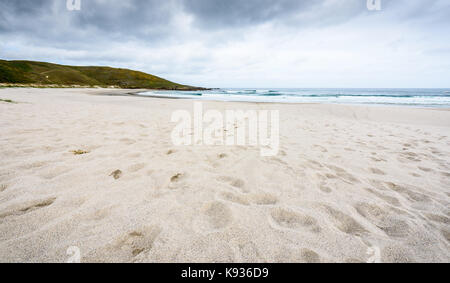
(116, 174)
(309, 256)
(222, 156)
(129, 246)
(330, 176)
(344, 222)
(54, 172)
(235, 198)
(384, 219)
(234, 182)
(325, 189)
(37, 164)
(405, 157)
(264, 199)
(258, 198)
(424, 169)
(127, 141)
(136, 167)
(446, 234)
(250, 253)
(375, 159)
(376, 171)
(408, 193)
(134, 155)
(438, 218)
(436, 151)
(389, 199)
(289, 219)
(343, 174)
(314, 164)
(27, 208)
(396, 254)
(320, 148)
(214, 216)
(98, 214)
(177, 177)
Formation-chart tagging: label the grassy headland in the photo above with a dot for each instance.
(41, 74)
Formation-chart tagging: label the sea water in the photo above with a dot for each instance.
(403, 97)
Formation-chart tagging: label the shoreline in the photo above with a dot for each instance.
(135, 93)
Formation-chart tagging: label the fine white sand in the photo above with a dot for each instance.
(350, 184)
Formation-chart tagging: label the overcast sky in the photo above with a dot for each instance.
(240, 43)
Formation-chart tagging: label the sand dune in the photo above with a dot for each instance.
(350, 184)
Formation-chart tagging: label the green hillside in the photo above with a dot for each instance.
(47, 74)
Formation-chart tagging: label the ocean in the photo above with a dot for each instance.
(401, 97)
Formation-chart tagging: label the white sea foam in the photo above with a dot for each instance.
(407, 97)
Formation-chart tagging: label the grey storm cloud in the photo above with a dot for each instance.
(152, 19)
(234, 37)
(219, 13)
(128, 17)
(23, 7)
(47, 18)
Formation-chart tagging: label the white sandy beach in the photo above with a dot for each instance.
(350, 183)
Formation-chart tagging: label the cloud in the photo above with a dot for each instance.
(212, 14)
(218, 14)
(239, 43)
